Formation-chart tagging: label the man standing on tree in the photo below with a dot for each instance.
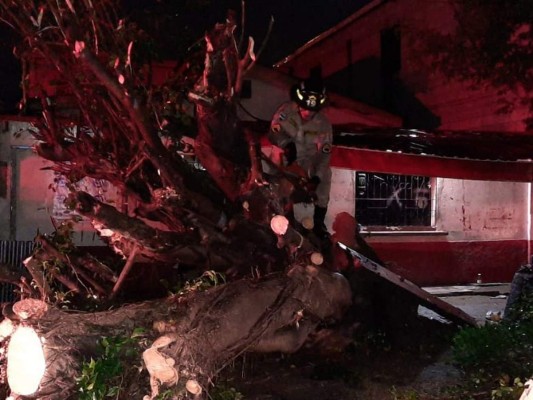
(305, 135)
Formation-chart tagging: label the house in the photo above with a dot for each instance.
(433, 201)
(436, 219)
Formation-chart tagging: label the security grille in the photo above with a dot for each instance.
(393, 200)
(13, 253)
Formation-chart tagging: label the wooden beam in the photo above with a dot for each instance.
(426, 299)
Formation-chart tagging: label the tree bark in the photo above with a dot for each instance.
(194, 335)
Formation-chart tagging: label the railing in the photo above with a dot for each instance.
(13, 253)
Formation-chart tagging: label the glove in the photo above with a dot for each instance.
(290, 152)
(276, 128)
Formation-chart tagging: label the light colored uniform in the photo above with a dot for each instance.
(313, 139)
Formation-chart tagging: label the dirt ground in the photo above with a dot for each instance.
(416, 363)
(375, 368)
(413, 362)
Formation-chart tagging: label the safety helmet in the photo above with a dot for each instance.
(310, 94)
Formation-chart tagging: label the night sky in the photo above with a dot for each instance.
(9, 72)
(296, 22)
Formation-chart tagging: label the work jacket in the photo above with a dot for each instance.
(313, 139)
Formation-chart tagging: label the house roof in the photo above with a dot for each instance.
(470, 145)
(496, 156)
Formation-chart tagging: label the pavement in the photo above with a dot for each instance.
(477, 300)
(485, 289)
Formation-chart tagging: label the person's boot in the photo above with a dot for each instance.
(319, 228)
(321, 233)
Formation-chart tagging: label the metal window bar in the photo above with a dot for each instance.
(13, 253)
(393, 200)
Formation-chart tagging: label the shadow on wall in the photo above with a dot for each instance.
(360, 81)
(401, 101)
(363, 81)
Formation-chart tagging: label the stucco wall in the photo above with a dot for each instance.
(484, 226)
(15, 145)
(464, 209)
(477, 210)
(34, 199)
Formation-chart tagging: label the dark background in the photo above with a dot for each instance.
(182, 22)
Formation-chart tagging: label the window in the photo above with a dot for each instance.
(393, 200)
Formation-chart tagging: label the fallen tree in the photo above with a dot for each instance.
(119, 127)
(185, 340)
(108, 121)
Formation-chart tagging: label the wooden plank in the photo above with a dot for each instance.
(428, 300)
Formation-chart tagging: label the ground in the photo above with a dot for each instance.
(376, 370)
(415, 365)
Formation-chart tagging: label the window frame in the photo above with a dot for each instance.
(400, 228)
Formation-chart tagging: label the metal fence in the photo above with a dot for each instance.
(13, 253)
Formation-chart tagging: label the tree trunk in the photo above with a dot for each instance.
(187, 339)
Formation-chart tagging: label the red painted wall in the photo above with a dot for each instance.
(452, 263)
